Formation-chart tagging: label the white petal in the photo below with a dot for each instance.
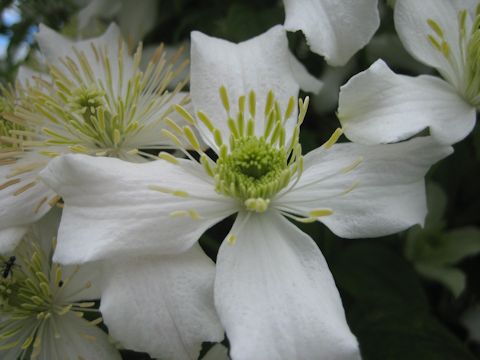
(334, 29)
(260, 64)
(10, 237)
(162, 305)
(383, 194)
(411, 24)
(276, 296)
(110, 209)
(21, 203)
(379, 106)
(78, 340)
(306, 81)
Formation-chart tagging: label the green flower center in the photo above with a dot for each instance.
(252, 169)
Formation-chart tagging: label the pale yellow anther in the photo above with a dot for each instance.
(269, 102)
(168, 157)
(252, 103)
(205, 120)
(258, 205)
(352, 166)
(172, 137)
(180, 193)
(334, 138)
(185, 114)
(217, 136)
(231, 239)
(241, 104)
(173, 125)
(192, 138)
(116, 137)
(320, 212)
(289, 109)
(224, 98)
(435, 27)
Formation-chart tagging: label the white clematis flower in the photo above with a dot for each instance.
(42, 304)
(379, 106)
(96, 101)
(273, 290)
(334, 29)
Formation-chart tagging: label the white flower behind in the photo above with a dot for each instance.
(379, 106)
(274, 293)
(96, 100)
(42, 304)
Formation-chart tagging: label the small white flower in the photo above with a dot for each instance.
(96, 101)
(274, 293)
(379, 106)
(42, 304)
(336, 29)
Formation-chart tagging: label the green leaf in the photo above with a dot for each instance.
(453, 279)
(387, 333)
(372, 272)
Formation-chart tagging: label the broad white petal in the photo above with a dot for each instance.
(378, 106)
(411, 18)
(334, 29)
(276, 296)
(162, 305)
(23, 199)
(373, 190)
(78, 340)
(111, 211)
(260, 64)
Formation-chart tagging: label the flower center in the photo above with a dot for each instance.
(467, 67)
(9, 131)
(257, 163)
(33, 298)
(252, 169)
(93, 106)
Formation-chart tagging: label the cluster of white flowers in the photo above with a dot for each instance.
(85, 137)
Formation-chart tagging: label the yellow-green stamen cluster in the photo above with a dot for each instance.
(10, 132)
(257, 161)
(97, 107)
(467, 67)
(33, 302)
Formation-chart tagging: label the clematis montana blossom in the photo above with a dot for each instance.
(379, 106)
(95, 100)
(42, 304)
(273, 290)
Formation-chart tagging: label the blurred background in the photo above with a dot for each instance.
(415, 295)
